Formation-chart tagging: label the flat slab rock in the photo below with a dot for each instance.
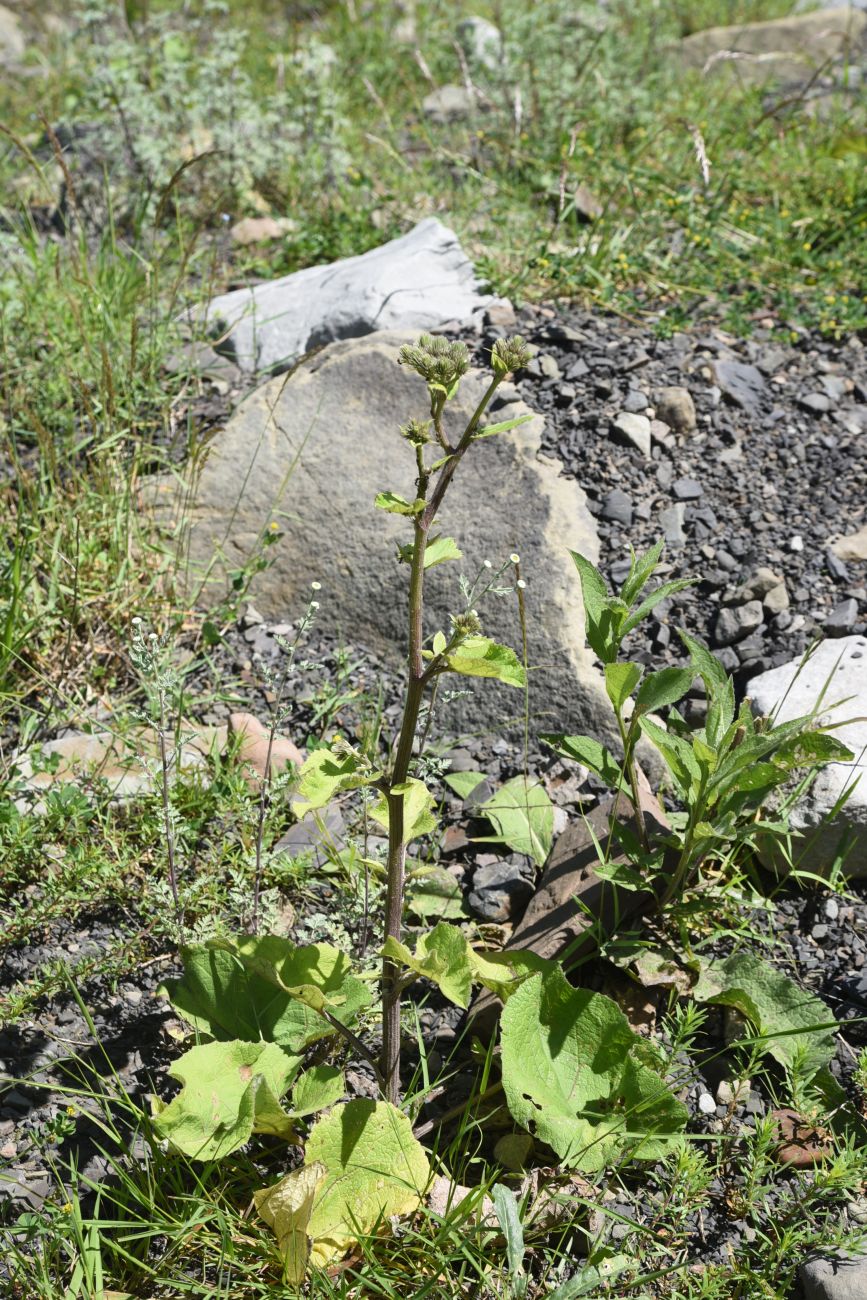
(313, 451)
(840, 1278)
(782, 50)
(420, 281)
(839, 669)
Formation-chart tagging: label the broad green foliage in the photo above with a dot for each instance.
(234, 991)
(523, 817)
(231, 1090)
(464, 783)
(477, 656)
(573, 1074)
(610, 618)
(418, 816)
(446, 957)
(439, 550)
(434, 894)
(317, 1089)
(325, 773)
(591, 753)
(373, 1169)
(793, 1023)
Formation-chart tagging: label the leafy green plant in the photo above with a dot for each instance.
(722, 774)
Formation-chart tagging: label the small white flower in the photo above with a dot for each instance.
(520, 584)
(316, 586)
(515, 558)
(314, 604)
(488, 564)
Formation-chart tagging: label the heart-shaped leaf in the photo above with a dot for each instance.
(231, 1090)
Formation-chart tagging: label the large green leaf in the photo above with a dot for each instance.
(591, 753)
(317, 1089)
(434, 894)
(325, 773)
(222, 992)
(446, 957)
(441, 549)
(319, 976)
(597, 614)
(793, 1022)
(573, 1074)
(621, 680)
(375, 1169)
(418, 815)
(523, 816)
(231, 1090)
(662, 688)
(478, 656)
(443, 956)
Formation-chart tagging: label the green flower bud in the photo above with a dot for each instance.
(437, 360)
(510, 354)
(467, 624)
(417, 432)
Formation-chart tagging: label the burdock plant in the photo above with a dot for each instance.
(441, 365)
(405, 804)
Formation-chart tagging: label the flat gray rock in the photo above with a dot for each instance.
(841, 1278)
(842, 664)
(421, 281)
(783, 50)
(313, 450)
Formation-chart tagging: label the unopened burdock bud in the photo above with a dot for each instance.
(510, 354)
(417, 432)
(437, 360)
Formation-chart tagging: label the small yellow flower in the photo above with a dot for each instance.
(806, 247)
(67, 1208)
(70, 1110)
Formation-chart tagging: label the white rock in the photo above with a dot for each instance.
(482, 42)
(852, 547)
(448, 104)
(706, 1104)
(839, 668)
(634, 430)
(420, 281)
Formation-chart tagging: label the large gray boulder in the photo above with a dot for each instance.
(787, 50)
(837, 672)
(842, 1277)
(313, 450)
(421, 281)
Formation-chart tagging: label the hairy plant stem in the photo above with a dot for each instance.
(418, 680)
(632, 774)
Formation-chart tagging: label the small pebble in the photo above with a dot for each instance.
(706, 1104)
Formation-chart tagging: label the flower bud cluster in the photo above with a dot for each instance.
(436, 359)
(466, 624)
(417, 432)
(510, 354)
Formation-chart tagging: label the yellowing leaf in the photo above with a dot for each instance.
(418, 817)
(523, 816)
(324, 774)
(231, 1090)
(478, 656)
(286, 1207)
(375, 1169)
